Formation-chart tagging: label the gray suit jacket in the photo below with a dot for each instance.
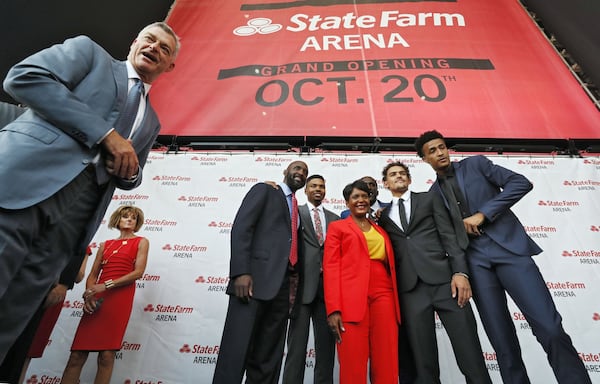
(428, 249)
(312, 253)
(75, 92)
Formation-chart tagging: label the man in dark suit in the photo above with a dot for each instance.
(375, 203)
(432, 276)
(263, 275)
(314, 219)
(479, 194)
(62, 159)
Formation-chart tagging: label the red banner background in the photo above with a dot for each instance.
(389, 69)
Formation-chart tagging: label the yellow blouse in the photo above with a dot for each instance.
(376, 244)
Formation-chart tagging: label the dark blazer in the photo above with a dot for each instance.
(346, 269)
(312, 252)
(75, 92)
(427, 249)
(260, 240)
(493, 190)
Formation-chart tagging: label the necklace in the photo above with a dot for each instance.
(364, 224)
(105, 258)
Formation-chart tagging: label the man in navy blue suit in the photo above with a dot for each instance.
(479, 195)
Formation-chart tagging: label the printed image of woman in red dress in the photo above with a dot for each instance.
(108, 297)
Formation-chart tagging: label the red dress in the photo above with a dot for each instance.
(104, 329)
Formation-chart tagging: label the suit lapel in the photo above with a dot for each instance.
(308, 224)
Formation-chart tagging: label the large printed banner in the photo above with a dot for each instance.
(190, 201)
(371, 68)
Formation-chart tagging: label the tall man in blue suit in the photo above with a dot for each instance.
(84, 134)
(479, 195)
(263, 273)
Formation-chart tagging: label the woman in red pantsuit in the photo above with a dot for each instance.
(360, 293)
(108, 297)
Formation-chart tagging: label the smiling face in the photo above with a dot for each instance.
(295, 175)
(315, 191)
(152, 53)
(372, 184)
(358, 203)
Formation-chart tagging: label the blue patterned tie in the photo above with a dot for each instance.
(124, 124)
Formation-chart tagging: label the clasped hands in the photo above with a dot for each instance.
(91, 302)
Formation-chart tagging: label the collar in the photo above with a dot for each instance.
(285, 188)
(405, 196)
(132, 74)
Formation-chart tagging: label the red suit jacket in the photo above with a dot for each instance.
(346, 269)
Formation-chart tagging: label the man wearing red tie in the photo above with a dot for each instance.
(263, 272)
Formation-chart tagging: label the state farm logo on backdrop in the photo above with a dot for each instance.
(222, 226)
(339, 161)
(559, 205)
(590, 256)
(154, 156)
(595, 228)
(565, 288)
(238, 181)
(74, 306)
(129, 198)
(540, 231)
(157, 225)
(210, 161)
(491, 361)
(207, 353)
(172, 181)
(537, 163)
(147, 278)
(334, 204)
(592, 162)
(167, 312)
(43, 379)
(143, 381)
(184, 251)
(271, 161)
(520, 321)
(582, 185)
(198, 201)
(127, 347)
(408, 162)
(214, 283)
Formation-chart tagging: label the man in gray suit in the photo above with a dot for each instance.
(314, 219)
(432, 276)
(84, 134)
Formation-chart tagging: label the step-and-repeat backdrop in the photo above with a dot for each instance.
(190, 201)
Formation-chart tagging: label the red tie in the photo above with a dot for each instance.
(294, 249)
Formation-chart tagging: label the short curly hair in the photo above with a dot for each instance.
(425, 138)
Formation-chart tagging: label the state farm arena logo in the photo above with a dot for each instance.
(536, 163)
(559, 205)
(44, 379)
(143, 381)
(168, 180)
(540, 231)
(209, 353)
(184, 251)
(157, 225)
(339, 161)
(595, 228)
(595, 162)
(582, 185)
(408, 162)
(238, 181)
(209, 160)
(584, 256)
(222, 226)
(129, 198)
(333, 28)
(214, 283)
(167, 313)
(270, 161)
(566, 289)
(198, 201)
(335, 204)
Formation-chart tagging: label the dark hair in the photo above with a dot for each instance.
(358, 184)
(309, 178)
(395, 164)
(425, 138)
